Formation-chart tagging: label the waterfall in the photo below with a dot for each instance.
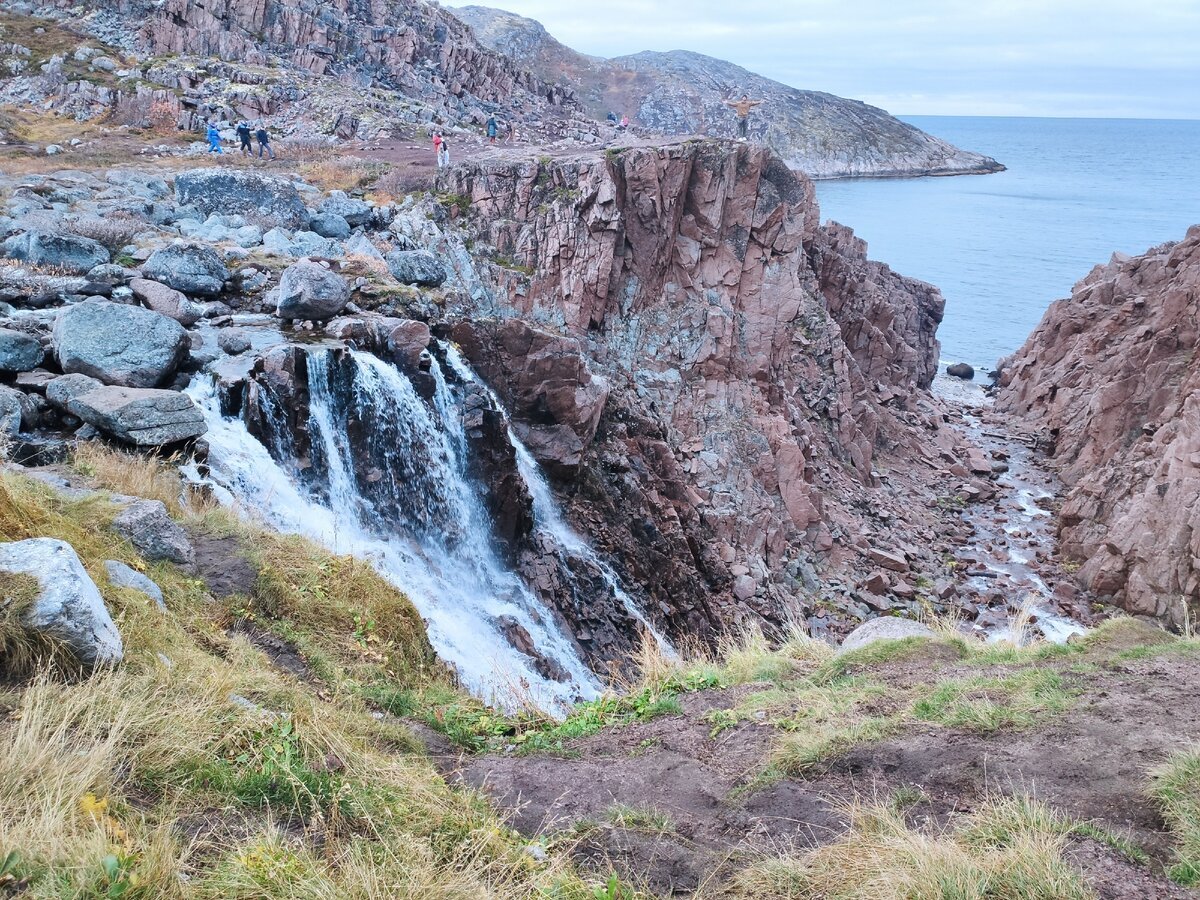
(388, 484)
(546, 515)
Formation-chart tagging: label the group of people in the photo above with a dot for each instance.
(622, 124)
(493, 130)
(245, 136)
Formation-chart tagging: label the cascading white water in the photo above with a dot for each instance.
(421, 525)
(546, 515)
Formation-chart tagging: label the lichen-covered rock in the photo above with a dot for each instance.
(19, 352)
(166, 300)
(194, 269)
(119, 344)
(62, 390)
(146, 524)
(416, 267)
(885, 628)
(141, 416)
(70, 253)
(69, 608)
(238, 191)
(307, 290)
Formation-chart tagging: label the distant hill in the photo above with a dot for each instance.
(681, 93)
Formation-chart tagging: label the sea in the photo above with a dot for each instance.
(1002, 247)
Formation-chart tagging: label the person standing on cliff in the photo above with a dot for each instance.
(444, 154)
(264, 141)
(214, 139)
(492, 129)
(243, 133)
(742, 108)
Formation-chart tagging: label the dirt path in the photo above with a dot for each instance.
(1091, 762)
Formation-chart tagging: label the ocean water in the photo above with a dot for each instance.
(1002, 247)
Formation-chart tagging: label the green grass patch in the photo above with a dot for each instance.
(986, 705)
(1175, 787)
(640, 818)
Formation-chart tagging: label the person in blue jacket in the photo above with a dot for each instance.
(491, 129)
(214, 139)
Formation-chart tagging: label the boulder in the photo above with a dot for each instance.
(233, 342)
(885, 628)
(961, 370)
(62, 390)
(328, 225)
(167, 301)
(407, 341)
(141, 416)
(238, 191)
(119, 344)
(895, 562)
(19, 352)
(122, 575)
(12, 411)
(146, 525)
(416, 267)
(308, 290)
(353, 212)
(191, 268)
(70, 253)
(69, 608)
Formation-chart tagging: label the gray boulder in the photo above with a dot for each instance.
(237, 191)
(308, 290)
(146, 525)
(167, 301)
(328, 225)
(191, 268)
(416, 267)
(885, 628)
(69, 252)
(65, 388)
(233, 342)
(141, 416)
(119, 344)
(123, 576)
(69, 608)
(961, 370)
(19, 352)
(354, 212)
(12, 411)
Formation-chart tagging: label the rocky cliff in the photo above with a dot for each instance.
(757, 368)
(1111, 377)
(680, 93)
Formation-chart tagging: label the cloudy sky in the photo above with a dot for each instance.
(933, 57)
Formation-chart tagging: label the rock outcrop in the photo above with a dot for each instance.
(69, 253)
(754, 362)
(140, 416)
(1111, 378)
(240, 192)
(680, 93)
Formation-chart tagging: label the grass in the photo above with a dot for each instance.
(1175, 786)
(198, 770)
(20, 649)
(643, 818)
(986, 705)
(1008, 849)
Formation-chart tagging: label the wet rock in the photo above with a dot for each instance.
(885, 628)
(166, 300)
(146, 525)
(69, 608)
(118, 344)
(309, 291)
(190, 268)
(415, 267)
(141, 416)
(237, 191)
(233, 342)
(123, 576)
(961, 370)
(19, 352)
(407, 341)
(70, 253)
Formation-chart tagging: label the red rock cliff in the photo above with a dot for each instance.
(1111, 375)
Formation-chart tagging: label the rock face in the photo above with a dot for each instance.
(118, 344)
(754, 364)
(191, 268)
(1111, 376)
(69, 252)
(680, 93)
(236, 191)
(147, 418)
(308, 290)
(69, 609)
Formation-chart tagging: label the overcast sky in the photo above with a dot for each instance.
(931, 57)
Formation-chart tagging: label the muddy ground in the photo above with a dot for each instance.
(1091, 762)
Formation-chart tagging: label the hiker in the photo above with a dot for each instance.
(611, 118)
(510, 133)
(264, 141)
(624, 126)
(214, 139)
(492, 129)
(444, 154)
(243, 133)
(437, 148)
(742, 108)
